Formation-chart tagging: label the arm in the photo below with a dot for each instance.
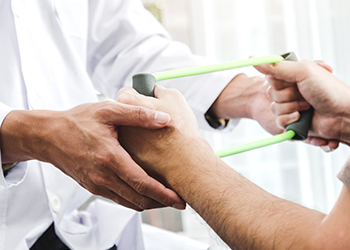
(244, 215)
(83, 143)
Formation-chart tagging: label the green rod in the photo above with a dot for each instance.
(257, 144)
(165, 75)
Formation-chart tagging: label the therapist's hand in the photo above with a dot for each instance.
(297, 85)
(83, 143)
(246, 97)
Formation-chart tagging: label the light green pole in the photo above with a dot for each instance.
(166, 75)
(144, 84)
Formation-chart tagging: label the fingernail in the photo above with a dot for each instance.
(180, 206)
(293, 117)
(161, 118)
(327, 149)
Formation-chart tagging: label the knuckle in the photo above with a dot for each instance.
(271, 93)
(281, 122)
(290, 94)
(144, 204)
(173, 93)
(276, 109)
(126, 97)
(140, 187)
(103, 159)
(106, 109)
(140, 115)
(98, 179)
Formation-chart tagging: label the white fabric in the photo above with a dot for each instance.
(159, 239)
(53, 55)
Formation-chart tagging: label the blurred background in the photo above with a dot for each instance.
(236, 29)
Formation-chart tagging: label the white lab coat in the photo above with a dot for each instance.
(54, 54)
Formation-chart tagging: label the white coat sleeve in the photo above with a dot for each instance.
(125, 39)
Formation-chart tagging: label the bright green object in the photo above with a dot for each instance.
(257, 144)
(144, 84)
(165, 75)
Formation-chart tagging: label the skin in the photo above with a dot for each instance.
(83, 142)
(297, 85)
(243, 215)
(246, 97)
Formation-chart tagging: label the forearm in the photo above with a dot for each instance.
(243, 215)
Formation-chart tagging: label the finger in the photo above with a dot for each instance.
(286, 70)
(117, 199)
(123, 191)
(126, 91)
(283, 121)
(128, 95)
(324, 65)
(316, 141)
(278, 84)
(325, 144)
(331, 146)
(289, 107)
(105, 183)
(285, 95)
(130, 115)
(163, 93)
(142, 183)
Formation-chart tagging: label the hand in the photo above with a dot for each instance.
(297, 85)
(83, 143)
(159, 152)
(246, 97)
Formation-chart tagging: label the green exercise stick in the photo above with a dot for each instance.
(166, 75)
(144, 84)
(257, 144)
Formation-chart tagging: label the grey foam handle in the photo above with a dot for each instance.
(144, 83)
(302, 126)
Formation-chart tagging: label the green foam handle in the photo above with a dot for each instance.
(144, 83)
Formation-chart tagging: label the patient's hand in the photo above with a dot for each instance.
(161, 151)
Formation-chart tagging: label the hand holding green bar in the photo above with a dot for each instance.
(144, 84)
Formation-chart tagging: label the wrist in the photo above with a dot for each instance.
(192, 159)
(23, 133)
(237, 99)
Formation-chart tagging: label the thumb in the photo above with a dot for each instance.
(324, 65)
(286, 70)
(137, 116)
